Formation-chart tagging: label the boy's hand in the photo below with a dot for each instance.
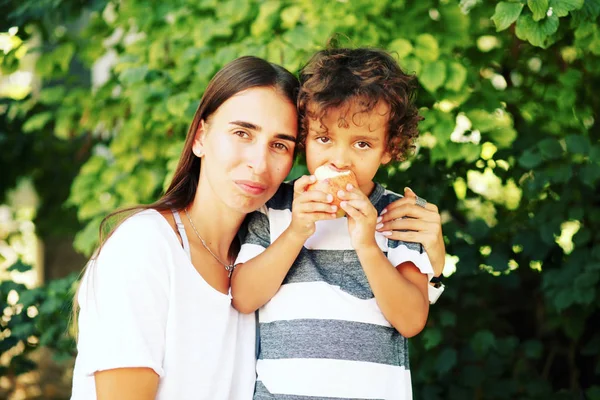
(362, 217)
(309, 207)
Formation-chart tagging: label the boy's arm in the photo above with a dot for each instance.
(264, 266)
(401, 292)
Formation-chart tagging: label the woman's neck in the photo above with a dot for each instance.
(215, 222)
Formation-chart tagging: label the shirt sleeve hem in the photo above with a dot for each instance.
(90, 371)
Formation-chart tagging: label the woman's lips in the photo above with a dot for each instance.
(250, 187)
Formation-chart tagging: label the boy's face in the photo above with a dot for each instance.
(350, 140)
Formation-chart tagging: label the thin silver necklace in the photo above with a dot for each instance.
(228, 267)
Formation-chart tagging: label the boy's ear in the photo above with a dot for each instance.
(198, 146)
(386, 158)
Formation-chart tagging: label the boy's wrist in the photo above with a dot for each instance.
(367, 247)
(295, 236)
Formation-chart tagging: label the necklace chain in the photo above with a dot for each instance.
(228, 267)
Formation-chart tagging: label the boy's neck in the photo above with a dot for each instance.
(367, 188)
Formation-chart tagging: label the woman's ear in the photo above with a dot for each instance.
(198, 146)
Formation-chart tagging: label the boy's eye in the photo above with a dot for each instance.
(323, 139)
(363, 145)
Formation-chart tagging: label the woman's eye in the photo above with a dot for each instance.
(242, 134)
(280, 146)
(323, 139)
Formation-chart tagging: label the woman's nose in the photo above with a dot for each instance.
(256, 159)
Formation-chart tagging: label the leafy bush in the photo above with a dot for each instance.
(509, 151)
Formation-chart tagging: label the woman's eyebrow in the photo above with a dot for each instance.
(254, 127)
(247, 125)
(285, 136)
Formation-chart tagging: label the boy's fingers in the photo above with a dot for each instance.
(314, 196)
(350, 210)
(316, 207)
(362, 207)
(303, 182)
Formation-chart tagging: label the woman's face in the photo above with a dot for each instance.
(247, 148)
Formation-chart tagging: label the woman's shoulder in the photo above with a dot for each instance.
(146, 229)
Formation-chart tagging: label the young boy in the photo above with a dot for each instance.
(336, 299)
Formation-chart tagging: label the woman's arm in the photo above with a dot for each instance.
(423, 226)
(124, 305)
(126, 384)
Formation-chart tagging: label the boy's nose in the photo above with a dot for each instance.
(341, 160)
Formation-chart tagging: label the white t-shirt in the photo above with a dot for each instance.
(143, 304)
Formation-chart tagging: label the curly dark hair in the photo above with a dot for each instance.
(334, 77)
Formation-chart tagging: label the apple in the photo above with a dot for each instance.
(331, 180)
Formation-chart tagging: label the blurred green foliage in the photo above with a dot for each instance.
(509, 151)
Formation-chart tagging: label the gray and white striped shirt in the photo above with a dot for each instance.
(323, 335)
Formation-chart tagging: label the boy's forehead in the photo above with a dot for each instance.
(353, 116)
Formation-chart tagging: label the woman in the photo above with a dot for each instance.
(155, 318)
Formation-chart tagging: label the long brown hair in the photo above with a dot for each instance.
(240, 74)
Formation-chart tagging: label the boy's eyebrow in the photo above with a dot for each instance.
(369, 138)
(254, 127)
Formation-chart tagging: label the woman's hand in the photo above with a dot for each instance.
(423, 225)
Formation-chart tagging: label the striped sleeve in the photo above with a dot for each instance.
(257, 237)
(400, 252)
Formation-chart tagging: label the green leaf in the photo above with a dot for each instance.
(530, 159)
(446, 361)
(578, 144)
(562, 7)
(457, 76)
(37, 122)
(52, 95)
(533, 349)
(563, 300)
(506, 14)
(133, 75)
(401, 46)
(427, 48)
(590, 173)
(431, 338)
(538, 8)
(536, 33)
(594, 153)
(483, 341)
(561, 173)
(447, 318)
(433, 76)
(550, 148)
(290, 16)
(178, 104)
(19, 266)
(267, 16)
(503, 137)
